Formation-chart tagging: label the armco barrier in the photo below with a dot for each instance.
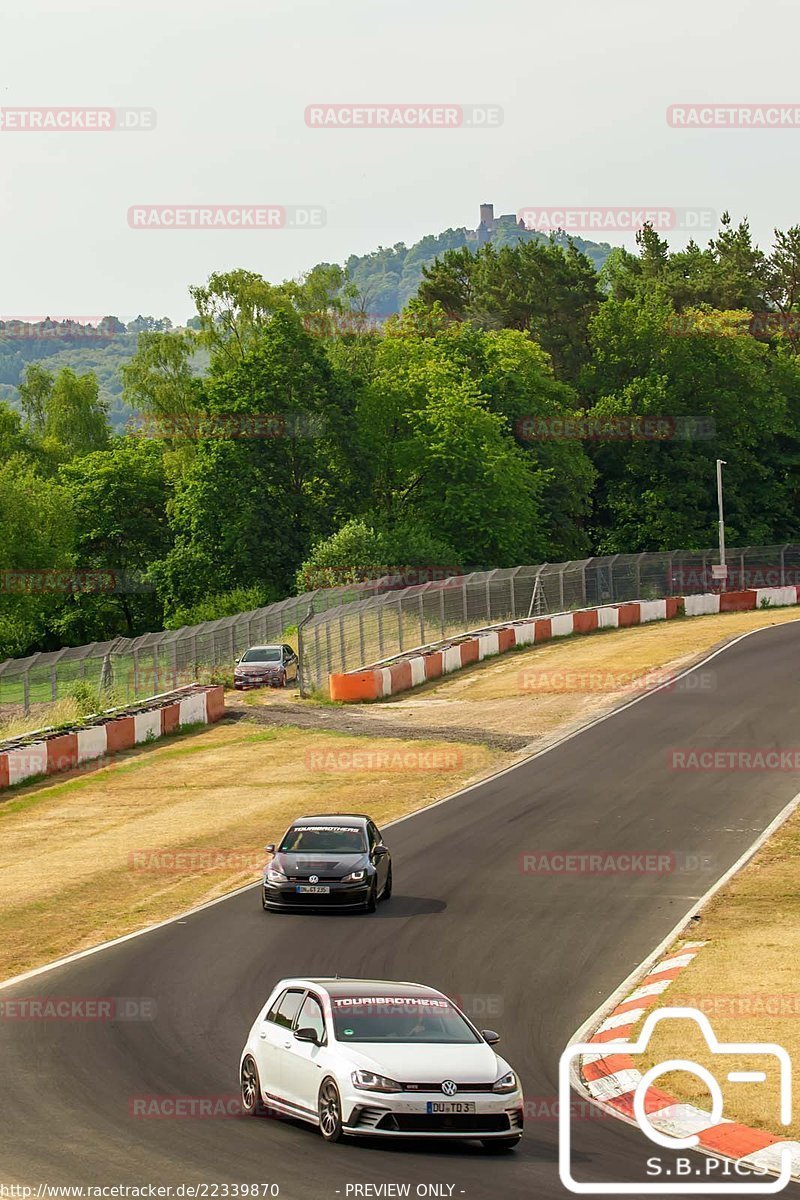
(419, 666)
(49, 751)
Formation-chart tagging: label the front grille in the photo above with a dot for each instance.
(476, 1123)
(437, 1087)
(369, 1118)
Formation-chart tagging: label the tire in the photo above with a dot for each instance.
(501, 1145)
(282, 682)
(329, 1107)
(372, 898)
(250, 1089)
(387, 887)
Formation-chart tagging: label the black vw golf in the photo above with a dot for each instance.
(332, 861)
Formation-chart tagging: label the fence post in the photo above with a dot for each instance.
(783, 566)
(301, 650)
(421, 620)
(380, 631)
(441, 609)
(561, 588)
(464, 600)
(136, 673)
(54, 682)
(342, 644)
(26, 691)
(399, 624)
(361, 636)
(513, 599)
(155, 670)
(488, 602)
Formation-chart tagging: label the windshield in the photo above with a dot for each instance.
(399, 1019)
(324, 839)
(263, 654)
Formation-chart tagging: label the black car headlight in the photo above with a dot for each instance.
(274, 875)
(355, 876)
(506, 1083)
(368, 1081)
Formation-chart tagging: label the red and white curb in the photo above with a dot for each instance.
(50, 751)
(423, 664)
(611, 1078)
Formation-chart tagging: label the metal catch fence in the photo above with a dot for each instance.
(384, 626)
(361, 623)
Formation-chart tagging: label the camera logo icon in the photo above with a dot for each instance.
(781, 1071)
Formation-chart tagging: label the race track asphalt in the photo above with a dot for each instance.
(538, 952)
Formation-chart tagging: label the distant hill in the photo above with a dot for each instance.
(386, 278)
(389, 277)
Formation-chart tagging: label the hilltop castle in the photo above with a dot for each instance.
(489, 224)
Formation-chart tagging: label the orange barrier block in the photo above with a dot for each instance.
(433, 664)
(629, 614)
(215, 703)
(505, 640)
(170, 718)
(120, 734)
(62, 752)
(401, 676)
(542, 630)
(584, 622)
(469, 651)
(360, 685)
(737, 601)
(4, 777)
(674, 606)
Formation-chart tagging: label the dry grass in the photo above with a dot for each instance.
(44, 716)
(69, 872)
(746, 981)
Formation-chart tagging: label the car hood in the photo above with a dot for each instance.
(419, 1063)
(257, 668)
(336, 865)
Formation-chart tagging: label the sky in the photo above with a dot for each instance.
(583, 88)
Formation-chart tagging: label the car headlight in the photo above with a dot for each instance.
(508, 1083)
(274, 875)
(368, 1081)
(354, 876)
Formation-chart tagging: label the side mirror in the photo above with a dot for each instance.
(237, 661)
(270, 848)
(306, 1035)
(490, 1037)
(380, 850)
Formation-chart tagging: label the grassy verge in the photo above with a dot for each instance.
(746, 981)
(94, 857)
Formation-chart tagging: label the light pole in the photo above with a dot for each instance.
(723, 571)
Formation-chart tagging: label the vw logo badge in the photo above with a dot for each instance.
(313, 879)
(449, 1088)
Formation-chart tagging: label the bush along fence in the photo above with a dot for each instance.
(431, 662)
(51, 750)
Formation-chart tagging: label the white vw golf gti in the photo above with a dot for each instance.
(365, 1057)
